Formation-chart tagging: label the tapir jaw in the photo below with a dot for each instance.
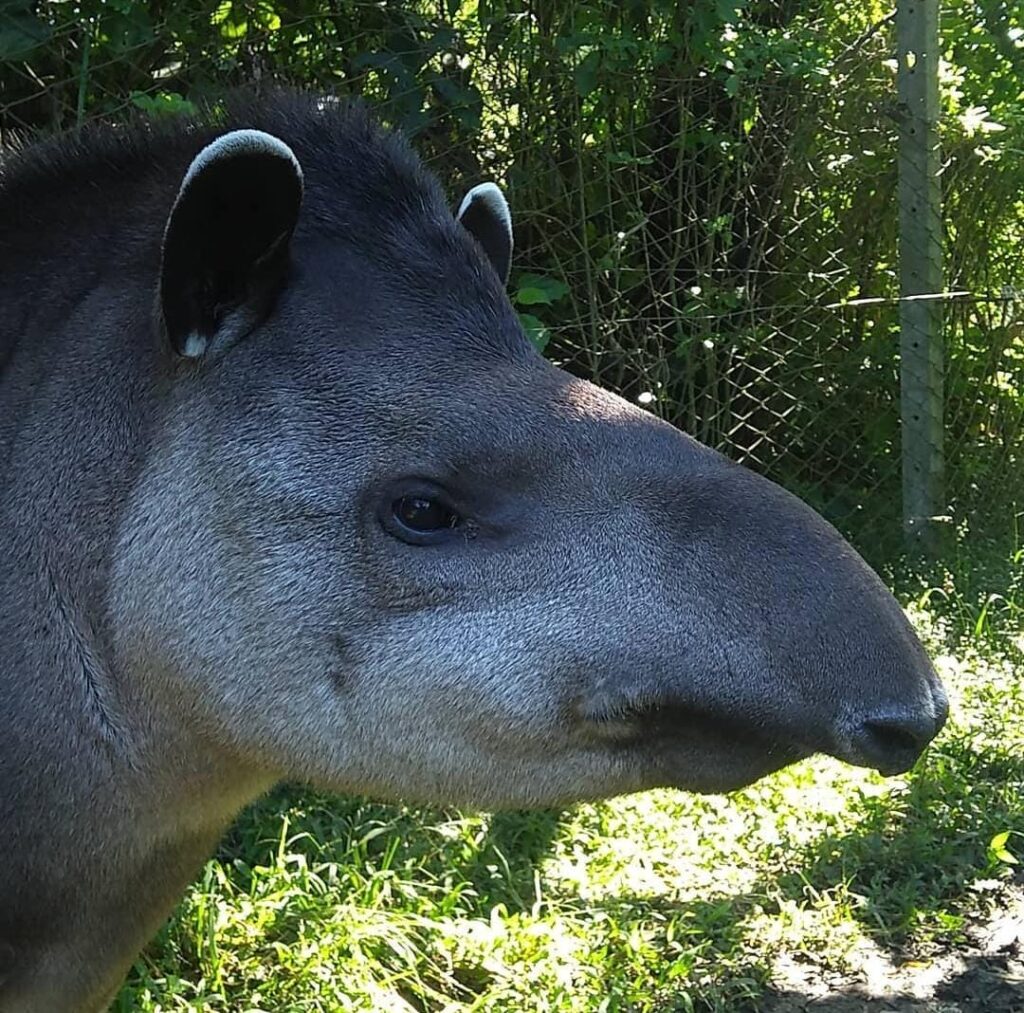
(703, 749)
(692, 750)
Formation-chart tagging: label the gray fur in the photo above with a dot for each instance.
(202, 596)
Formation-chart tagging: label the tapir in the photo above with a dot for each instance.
(286, 493)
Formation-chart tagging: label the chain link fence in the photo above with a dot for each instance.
(706, 198)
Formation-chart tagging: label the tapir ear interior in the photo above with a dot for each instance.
(485, 215)
(226, 244)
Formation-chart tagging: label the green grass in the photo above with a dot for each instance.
(654, 902)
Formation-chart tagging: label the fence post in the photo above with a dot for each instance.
(921, 339)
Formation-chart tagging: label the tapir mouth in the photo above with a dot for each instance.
(705, 750)
(694, 748)
(653, 720)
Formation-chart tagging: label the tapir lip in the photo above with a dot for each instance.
(670, 737)
(670, 734)
(892, 768)
(650, 720)
(892, 740)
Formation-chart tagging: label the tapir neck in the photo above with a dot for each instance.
(108, 802)
(100, 856)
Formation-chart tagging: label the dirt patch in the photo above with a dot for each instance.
(984, 974)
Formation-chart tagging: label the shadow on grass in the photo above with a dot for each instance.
(914, 855)
(520, 841)
(907, 869)
(979, 985)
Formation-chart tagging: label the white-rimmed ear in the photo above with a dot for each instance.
(226, 243)
(485, 215)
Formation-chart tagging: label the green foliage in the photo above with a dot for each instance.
(535, 330)
(22, 32)
(162, 103)
(998, 851)
(535, 289)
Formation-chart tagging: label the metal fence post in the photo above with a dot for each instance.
(921, 282)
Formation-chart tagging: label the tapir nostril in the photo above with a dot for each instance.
(891, 743)
(892, 736)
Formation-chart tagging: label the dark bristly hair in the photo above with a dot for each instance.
(102, 195)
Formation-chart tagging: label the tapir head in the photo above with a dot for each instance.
(381, 544)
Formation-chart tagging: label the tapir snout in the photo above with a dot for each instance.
(799, 647)
(732, 629)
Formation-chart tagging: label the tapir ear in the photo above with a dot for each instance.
(484, 213)
(226, 244)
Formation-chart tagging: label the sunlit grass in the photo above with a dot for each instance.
(655, 902)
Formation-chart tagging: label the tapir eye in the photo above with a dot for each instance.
(419, 518)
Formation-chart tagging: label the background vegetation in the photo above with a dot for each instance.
(706, 221)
